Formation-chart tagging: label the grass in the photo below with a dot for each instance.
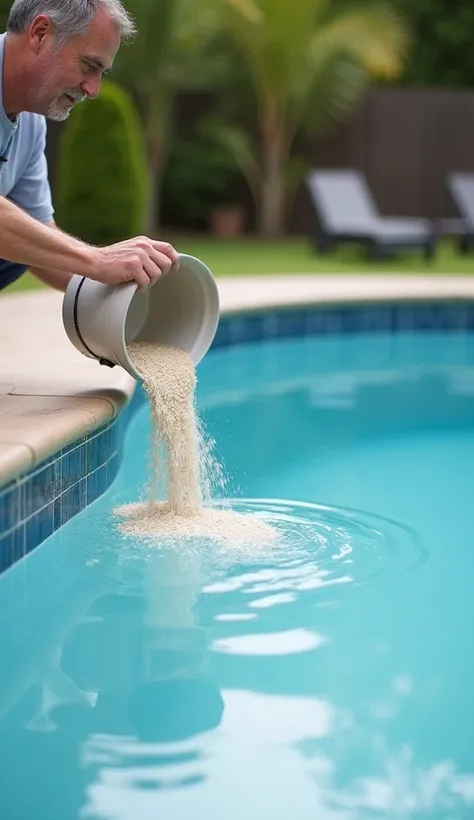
(245, 257)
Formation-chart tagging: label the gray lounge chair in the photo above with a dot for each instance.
(461, 188)
(345, 211)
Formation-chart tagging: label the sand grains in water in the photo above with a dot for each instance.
(176, 459)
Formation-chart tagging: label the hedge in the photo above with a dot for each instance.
(102, 186)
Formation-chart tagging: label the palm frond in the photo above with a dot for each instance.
(239, 146)
(297, 50)
(271, 36)
(337, 84)
(170, 48)
(374, 35)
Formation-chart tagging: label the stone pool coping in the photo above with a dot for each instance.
(51, 395)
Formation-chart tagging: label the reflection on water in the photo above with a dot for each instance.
(104, 683)
(168, 682)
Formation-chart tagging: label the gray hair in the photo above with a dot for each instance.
(70, 18)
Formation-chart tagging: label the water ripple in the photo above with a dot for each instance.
(320, 546)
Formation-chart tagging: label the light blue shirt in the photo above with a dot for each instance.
(24, 177)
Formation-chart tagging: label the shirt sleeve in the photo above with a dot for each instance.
(32, 192)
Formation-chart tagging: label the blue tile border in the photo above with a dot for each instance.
(322, 320)
(41, 501)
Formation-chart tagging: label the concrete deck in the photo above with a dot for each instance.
(51, 395)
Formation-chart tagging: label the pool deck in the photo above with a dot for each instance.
(51, 395)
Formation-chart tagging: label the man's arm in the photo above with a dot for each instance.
(25, 240)
(57, 279)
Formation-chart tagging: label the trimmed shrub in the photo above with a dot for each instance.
(102, 186)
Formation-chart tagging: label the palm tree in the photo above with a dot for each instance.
(166, 57)
(309, 62)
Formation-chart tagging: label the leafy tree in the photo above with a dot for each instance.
(442, 32)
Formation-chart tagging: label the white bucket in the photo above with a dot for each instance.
(180, 309)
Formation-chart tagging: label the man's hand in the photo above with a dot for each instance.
(141, 259)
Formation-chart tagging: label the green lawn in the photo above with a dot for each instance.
(254, 256)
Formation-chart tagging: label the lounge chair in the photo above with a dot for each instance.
(461, 188)
(345, 211)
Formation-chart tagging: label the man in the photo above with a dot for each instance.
(53, 56)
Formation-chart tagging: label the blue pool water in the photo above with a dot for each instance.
(329, 677)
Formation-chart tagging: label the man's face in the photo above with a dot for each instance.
(74, 72)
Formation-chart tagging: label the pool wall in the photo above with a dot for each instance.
(35, 503)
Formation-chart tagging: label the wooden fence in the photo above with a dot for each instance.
(405, 141)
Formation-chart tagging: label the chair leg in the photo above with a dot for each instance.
(325, 245)
(465, 244)
(380, 253)
(430, 251)
(375, 251)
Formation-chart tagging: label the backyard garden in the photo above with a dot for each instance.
(210, 124)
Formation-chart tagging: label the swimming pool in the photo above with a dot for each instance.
(327, 679)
